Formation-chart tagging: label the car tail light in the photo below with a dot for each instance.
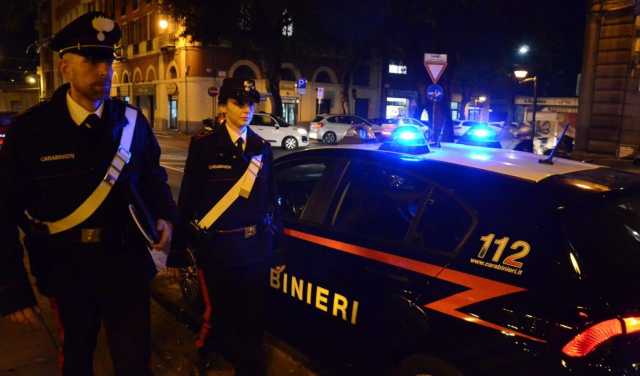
(587, 341)
(317, 125)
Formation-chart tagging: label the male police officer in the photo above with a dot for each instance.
(67, 174)
(226, 197)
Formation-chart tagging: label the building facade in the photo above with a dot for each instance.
(609, 112)
(174, 79)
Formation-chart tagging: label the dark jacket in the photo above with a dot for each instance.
(213, 166)
(49, 166)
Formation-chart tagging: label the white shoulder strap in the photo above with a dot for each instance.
(93, 202)
(242, 187)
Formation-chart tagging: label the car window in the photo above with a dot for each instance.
(334, 119)
(445, 223)
(262, 120)
(317, 119)
(379, 204)
(296, 184)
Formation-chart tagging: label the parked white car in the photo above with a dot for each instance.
(278, 132)
(386, 128)
(331, 129)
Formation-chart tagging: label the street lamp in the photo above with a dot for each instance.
(164, 24)
(31, 79)
(524, 49)
(521, 75)
(482, 98)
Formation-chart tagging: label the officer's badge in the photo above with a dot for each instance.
(102, 24)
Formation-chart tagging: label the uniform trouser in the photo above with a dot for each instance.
(123, 310)
(236, 297)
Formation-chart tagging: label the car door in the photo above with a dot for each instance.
(302, 294)
(375, 215)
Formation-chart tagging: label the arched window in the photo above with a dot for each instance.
(125, 78)
(244, 72)
(287, 74)
(173, 73)
(137, 76)
(323, 77)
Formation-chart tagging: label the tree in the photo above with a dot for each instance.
(252, 27)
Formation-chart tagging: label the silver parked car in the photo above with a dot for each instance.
(331, 129)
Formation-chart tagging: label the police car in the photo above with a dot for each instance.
(459, 260)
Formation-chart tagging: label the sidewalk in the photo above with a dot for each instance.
(33, 351)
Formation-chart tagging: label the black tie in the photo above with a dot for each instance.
(92, 121)
(239, 143)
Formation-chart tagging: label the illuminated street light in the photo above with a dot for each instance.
(31, 79)
(164, 24)
(482, 98)
(524, 49)
(521, 75)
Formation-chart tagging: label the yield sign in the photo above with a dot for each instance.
(435, 65)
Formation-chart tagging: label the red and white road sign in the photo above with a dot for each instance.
(213, 91)
(435, 65)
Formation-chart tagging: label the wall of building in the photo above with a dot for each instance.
(150, 53)
(18, 99)
(609, 114)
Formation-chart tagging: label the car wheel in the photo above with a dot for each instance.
(289, 143)
(425, 365)
(329, 138)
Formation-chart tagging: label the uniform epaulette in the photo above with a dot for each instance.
(204, 132)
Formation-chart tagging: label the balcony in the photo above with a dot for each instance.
(167, 42)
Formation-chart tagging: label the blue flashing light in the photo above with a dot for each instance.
(408, 135)
(481, 133)
(407, 139)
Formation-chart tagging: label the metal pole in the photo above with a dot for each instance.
(433, 121)
(533, 116)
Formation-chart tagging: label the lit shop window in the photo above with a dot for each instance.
(397, 69)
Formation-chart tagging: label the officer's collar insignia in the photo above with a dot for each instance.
(102, 24)
(57, 157)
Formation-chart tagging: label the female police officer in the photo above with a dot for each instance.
(225, 200)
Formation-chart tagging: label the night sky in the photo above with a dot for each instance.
(482, 33)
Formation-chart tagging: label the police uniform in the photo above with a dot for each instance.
(231, 255)
(97, 272)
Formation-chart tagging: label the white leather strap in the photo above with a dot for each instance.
(97, 197)
(242, 187)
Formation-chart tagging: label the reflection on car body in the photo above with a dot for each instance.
(463, 260)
